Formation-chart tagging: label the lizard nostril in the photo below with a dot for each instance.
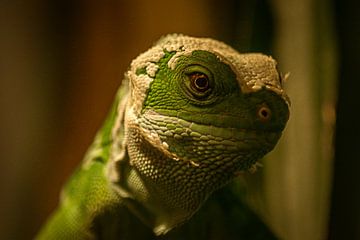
(264, 113)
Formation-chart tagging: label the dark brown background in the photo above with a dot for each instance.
(61, 63)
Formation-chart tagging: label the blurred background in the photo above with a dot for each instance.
(61, 63)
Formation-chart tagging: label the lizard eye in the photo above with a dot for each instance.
(199, 82)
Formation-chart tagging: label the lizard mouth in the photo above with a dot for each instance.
(168, 127)
(201, 144)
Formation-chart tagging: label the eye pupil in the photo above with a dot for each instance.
(199, 82)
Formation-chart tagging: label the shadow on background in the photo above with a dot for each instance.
(62, 62)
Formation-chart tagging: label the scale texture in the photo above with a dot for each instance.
(191, 115)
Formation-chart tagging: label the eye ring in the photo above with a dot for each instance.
(199, 82)
(264, 113)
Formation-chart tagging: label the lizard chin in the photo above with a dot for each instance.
(169, 175)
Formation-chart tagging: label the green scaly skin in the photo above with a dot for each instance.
(191, 115)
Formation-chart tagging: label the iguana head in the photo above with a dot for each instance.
(199, 112)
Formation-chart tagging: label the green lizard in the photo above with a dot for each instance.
(191, 115)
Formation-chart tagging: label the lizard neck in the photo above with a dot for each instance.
(158, 189)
